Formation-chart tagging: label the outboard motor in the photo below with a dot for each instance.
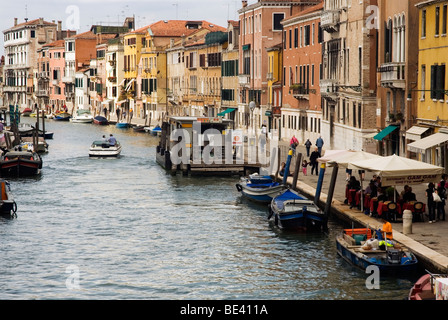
(394, 256)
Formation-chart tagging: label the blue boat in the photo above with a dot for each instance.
(259, 188)
(354, 246)
(292, 211)
(123, 125)
(157, 130)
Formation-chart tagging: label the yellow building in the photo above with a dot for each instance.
(432, 111)
(274, 77)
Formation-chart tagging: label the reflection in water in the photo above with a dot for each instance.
(136, 232)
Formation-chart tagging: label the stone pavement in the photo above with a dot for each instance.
(428, 240)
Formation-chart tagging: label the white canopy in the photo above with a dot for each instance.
(332, 155)
(396, 170)
(343, 160)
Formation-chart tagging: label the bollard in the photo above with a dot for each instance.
(407, 222)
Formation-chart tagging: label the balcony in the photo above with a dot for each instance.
(276, 111)
(42, 93)
(14, 89)
(329, 89)
(300, 91)
(244, 79)
(68, 79)
(329, 20)
(270, 76)
(393, 75)
(43, 75)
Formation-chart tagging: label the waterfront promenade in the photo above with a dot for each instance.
(428, 240)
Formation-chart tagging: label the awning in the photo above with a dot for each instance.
(415, 132)
(221, 114)
(426, 143)
(380, 136)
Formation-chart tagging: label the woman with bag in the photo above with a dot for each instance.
(431, 203)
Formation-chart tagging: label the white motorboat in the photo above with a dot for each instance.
(82, 116)
(104, 149)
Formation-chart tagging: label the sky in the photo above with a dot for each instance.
(84, 13)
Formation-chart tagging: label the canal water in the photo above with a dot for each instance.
(124, 229)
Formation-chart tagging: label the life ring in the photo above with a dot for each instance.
(239, 187)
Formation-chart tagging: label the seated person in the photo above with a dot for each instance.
(353, 184)
(381, 196)
(112, 140)
(409, 196)
(282, 170)
(371, 190)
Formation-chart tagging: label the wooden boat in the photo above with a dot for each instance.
(102, 121)
(27, 112)
(293, 211)
(28, 144)
(26, 130)
(8, 206)
(62, 116)
(138, 128)
(19, 162)
(259, 188)
(34, 114)
(104, 149)
(430, 287)
(353, 245)
(123, 125)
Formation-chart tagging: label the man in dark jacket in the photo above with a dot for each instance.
(313, 161)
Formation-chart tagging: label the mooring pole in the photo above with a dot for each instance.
(319, 183)
(334, 176)
(288, 164)
(296, 171)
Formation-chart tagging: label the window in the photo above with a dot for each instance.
(423, 82)
(290, 39)
(307, 35)
(437, 20)
(296, 37)
(423, 23)
(276, 19)
(444, 18)
(437, 82)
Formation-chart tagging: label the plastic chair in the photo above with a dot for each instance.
(418, 210)
(392, 210)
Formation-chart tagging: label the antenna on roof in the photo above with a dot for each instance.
(26, 12)
(177, 7)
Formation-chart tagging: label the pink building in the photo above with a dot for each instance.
(57, 65)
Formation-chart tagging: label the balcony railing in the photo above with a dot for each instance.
(42, 93)
(328, 88)
(244, 79)
(329, 20)
(300, 91)
(68, 79)
(393, 75)
(14, 89)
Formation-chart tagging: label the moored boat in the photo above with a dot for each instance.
(19, 162)
(259, 188)
(156, 130)
(26, 130)
(27, 112)
(8, 206)
(101, 148)
(138, 128)
(123, 125)
(357, 247)
(100, 120)
(430, 287)
(62, 116)
(82, 116)
(293, 211)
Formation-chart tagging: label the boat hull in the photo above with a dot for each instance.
(99, 120)
(104, 150)
(122, 125)
(294, 212)
(363, 262)
(19, 167)
(262, 195)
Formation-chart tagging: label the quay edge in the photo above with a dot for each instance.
(428, 258)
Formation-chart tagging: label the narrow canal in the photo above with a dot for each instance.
(124, 229)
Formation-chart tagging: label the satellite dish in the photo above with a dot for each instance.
(252, 105)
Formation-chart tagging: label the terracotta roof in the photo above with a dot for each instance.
(312, 9)
(234, 23)
(58, 43)
(92, 36)
(177, 28)
(30, 23)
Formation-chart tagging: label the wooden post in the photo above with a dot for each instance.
(334, 176)
(296, 171)
(279, 153)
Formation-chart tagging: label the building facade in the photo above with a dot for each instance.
(348, 84)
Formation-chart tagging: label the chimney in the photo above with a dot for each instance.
(41, 20)
(59, 25)
(244, 3)
(15, 22)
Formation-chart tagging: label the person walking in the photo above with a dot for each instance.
(118, 114)
(430, 202)
(293, 143)
(304, 166)
(313, 161)
(319, 144)
(308, 145)
(441, 191)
